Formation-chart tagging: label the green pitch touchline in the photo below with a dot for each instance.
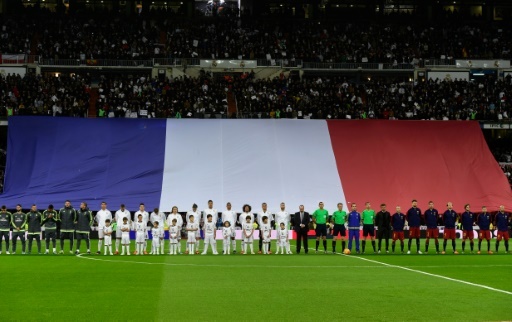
(430, 274)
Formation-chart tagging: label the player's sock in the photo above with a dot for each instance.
(506, 245)
(38, 245)
(387, 244)
(417, 244)
(252, 247)
(409, 244)
(325, 244)
(88, 244)
(453, 244)
(393, 247)
(316, 244)
(62, 244)
(379, 243)
(71, 240)
(106, 249)
(118, 241)
(47, 245)
(471, 245)
(234, 244)
(444, 245)
(244, 247)
(343, 244)
(162, 247)
(426, 246)
(402, 245)
(437, 246)
(463, 245)
(373, 245)
(497, 245)
(488, 245)
(364, 245)
(334, 246)
(100, 243)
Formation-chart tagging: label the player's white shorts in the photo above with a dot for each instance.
(248, 239)
(191, 236)
(173, 240)
(283, 242)
(140, 237)
(125, 240)
(108, 240)
(156, 242)
(209, 239)
(266, 240)
(100, 232)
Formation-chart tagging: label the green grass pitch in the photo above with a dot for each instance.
(273, 287)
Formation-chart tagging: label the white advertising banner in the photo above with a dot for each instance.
(482, 63)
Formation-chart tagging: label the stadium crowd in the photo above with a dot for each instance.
(110, 35)
(280, 97)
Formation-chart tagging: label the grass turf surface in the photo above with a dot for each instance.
(256, 287)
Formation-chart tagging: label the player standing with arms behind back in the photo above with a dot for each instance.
(467, 220)
(484, 222)
(431, 219)
(414, 220)
(501, 221)
(450, 219)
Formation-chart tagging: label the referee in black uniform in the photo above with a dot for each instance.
(383, 222)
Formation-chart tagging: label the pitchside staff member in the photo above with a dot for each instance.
(339, 218)
(383, 222)
(320, 217)
(354, 222)
(414, 220)
(301, 221)
(67, 218)
(19, 221)
(83, 227)
(368, 218)
(5, 228)
(34, 219)
(431, 220)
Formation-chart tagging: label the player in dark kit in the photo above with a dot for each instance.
(431, 219)
(468, 221)
(414, 220)
(398, 223)
(450, 219)
(501, 221)
(67, 218)
(19, 222)
(383, 222)
(484, 222)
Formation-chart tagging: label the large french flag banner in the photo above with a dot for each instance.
(179, 162)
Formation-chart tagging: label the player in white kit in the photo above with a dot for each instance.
(283, 242)
(209, 235)
(230, 216)
(102, 215)
(211, 211)
(192, 229)
(118, 217)
(248, 231)
(282, 216)
(174, 215)
(265, 231)
(227, 232)
(107, 235)
(125, 236)
(264, 213)
(158, 236)
(145, 218)
(159, 216)
(174, 231)
(140, 234)
(197, 218)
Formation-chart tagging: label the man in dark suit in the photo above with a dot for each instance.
(301, 227)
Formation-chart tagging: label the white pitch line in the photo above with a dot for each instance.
(430, 274)
(228, 266)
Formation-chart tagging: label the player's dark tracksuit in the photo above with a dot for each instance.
(468, 220)
(19, 220)
(484, 223)
(67, 218)
(383, 222)
(414, 220)
(50, 227)
(83, 227)
(5, 227)
(449, 219)
(34, 220)
(431, 220)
